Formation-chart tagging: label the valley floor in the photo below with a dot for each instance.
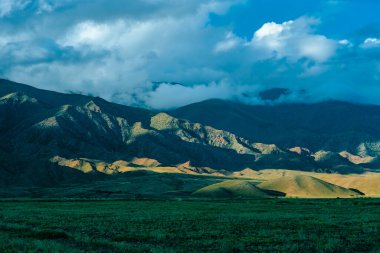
(266, 225)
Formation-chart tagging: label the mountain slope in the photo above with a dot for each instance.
(306, 186)
(38, 125)
(232, 189)
(332, 125)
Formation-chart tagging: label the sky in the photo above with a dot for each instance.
(163, 54)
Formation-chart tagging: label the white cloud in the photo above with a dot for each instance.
(49, 5)
(90, 33)
(93, 77)
(6, 38)
(316, 47)
(230, 42)
(294, 40)
(271, 29)
(169, 96)
(34, 7)
(371, 43)
(218, 6)
(7, 7)
(345, 43)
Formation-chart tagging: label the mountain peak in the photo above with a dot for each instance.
(301, 151)
(162, 121)
(18, 98)
(92, 106)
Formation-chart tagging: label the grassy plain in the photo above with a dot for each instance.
(266, 225)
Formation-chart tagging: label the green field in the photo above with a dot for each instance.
(273, 225)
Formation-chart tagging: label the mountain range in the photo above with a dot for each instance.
(49, 138)
(331, 125)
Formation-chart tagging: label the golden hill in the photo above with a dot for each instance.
(368, 183)
(90, 165)
(232, 189)
(307, 187)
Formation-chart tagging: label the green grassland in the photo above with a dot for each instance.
(266, 225)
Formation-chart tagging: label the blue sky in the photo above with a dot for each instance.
(228, 49)
(340, 18)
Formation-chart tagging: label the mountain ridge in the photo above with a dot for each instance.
(332, 125)
(38, 125)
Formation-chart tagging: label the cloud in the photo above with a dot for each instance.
(345, 43)
(230, 42)
(90, 33)
(119, 55)
(294, 39)
(7, 7)
(371, 43)
(132, 52)
(169, 95)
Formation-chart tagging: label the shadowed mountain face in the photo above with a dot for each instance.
(332, 126)
(37, 126)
